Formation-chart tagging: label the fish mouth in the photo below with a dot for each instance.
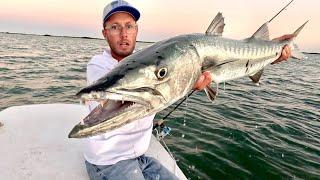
(117, 104)
(115, 110)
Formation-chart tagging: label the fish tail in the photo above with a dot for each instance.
(296, 33)
(295, 51)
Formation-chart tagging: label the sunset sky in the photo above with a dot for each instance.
(162, 19)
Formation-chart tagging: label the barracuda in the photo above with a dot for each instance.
(154, 78)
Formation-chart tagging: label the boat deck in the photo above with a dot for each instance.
(35, 144)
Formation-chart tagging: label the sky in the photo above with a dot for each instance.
(162, 19)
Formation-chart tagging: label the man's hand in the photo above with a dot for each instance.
(286, 51)
(203, 81)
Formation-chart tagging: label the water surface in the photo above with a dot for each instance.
(271, 131)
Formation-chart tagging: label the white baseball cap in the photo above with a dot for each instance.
(119, 6)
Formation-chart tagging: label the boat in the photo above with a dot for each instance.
(35, 144)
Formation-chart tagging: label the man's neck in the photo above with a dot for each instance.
(117, 57)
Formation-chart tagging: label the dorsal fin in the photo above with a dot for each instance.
(216, 26)
(262, 33)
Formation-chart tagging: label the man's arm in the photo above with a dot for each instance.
(205, 78)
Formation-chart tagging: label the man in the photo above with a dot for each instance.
(119, 154)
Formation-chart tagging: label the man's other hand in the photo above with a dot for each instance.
(203, 81)
(286, 51)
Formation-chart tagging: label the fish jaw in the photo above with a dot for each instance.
(115, 110)
(106, 124)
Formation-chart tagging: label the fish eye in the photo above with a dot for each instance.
(161, 73)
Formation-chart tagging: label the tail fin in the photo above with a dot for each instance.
(295, 50)
(296, 33)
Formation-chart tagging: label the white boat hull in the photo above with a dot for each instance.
(35, 144)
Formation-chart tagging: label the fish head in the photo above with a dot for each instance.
(142, 84)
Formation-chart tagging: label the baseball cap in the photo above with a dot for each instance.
(119, 6)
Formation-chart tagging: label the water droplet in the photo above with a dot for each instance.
(256, 126)
(282, 155)
(182, 135)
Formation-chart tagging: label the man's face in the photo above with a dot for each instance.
(121, 40)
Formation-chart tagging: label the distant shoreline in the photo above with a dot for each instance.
(49, 35)
(311, 53)
(85, 37)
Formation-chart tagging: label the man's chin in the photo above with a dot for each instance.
(124, 53)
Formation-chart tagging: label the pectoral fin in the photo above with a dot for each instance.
(211, 93)
(210, 62)
(256, 77)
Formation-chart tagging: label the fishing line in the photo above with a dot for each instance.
(161, 129)
(160, 123)
(178, 105)
(280, 11)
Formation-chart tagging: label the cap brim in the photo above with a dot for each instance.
(129, 9)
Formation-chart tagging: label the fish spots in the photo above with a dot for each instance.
(143, 63)
(247, 66)
(247, 69)
(160, 57)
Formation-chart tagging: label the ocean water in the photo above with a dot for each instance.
(270, 131)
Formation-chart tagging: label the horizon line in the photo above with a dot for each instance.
(51, 35)
(87, 37)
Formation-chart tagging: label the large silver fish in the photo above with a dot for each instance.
(154, 78)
